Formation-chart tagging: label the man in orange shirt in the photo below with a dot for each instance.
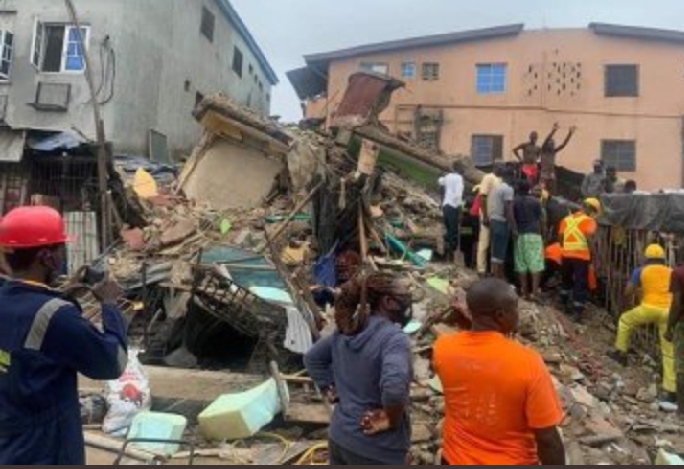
(501, 405)
(576, 234)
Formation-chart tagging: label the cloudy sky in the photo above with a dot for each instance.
(289, 29)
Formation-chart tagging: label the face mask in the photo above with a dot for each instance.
(53, 269)
(403, 314)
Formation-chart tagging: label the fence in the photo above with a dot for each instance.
(619, 252)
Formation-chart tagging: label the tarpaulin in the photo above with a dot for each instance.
(57, 141)
(657, 212)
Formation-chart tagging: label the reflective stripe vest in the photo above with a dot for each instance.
(574, 240)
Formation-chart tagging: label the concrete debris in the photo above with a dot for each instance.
(235, 269)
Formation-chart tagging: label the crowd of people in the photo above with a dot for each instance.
(501, 404)
(500, 401)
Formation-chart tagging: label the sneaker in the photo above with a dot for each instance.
(668, 407)
(619, 357)
(669, 397)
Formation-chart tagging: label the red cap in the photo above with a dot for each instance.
(32, 227)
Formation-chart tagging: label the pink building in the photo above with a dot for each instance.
(482, 92)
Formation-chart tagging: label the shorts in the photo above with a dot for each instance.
(531, 171)
(501, 237)
(529, 254)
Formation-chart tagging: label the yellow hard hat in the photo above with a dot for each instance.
(655, 251)
(594, 203)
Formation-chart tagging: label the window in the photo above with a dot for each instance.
(251, 69)
(58, 48)
(261, 85)
(268, 97)
(7, 53)
(487, 149)
(428, 138)
(621, 154)
(237, 62)
(622, 81)
(491, 78)
(375, 67)
(408, 70)
(208, 24)
(430, 71)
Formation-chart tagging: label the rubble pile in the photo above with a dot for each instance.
(232, 288)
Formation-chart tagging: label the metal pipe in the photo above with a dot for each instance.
(99, 126)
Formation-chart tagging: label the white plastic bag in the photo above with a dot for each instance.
(127, 397)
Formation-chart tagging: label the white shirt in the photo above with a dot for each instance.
(453, 185)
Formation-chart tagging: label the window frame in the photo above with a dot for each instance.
(206, 15)
(434, 66)
(496, 142)
(237, 52)
(38, 50)
(370, 67)
(5, 77)
(414, 67)
(616, 159)
(486, 78)
(611, 92)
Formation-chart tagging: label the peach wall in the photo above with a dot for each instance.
(654, 119)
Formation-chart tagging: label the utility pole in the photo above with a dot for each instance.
(105, 225)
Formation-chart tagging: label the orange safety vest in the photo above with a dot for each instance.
(574, 239)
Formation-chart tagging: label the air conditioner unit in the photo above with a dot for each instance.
(52, 97)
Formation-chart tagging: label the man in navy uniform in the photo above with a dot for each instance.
(45, 342)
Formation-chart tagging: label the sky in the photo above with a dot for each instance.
(287, 30)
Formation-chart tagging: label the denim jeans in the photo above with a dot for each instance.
(452, 222)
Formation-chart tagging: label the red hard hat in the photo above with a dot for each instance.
(32, 227)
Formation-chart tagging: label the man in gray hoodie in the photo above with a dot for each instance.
(365, 367)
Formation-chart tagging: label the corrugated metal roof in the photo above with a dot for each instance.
(637, 32)
(416, 42)
(367, 95)
(232, 15)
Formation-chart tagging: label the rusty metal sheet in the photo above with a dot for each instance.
(367, 95)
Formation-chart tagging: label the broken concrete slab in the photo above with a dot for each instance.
(179, 230)
(231, 175)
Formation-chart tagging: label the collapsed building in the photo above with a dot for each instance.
(220, 263)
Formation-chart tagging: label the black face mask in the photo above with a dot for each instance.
(403, 314)
(49, 260)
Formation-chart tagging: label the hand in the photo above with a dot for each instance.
(331, 395)
(486, 221)
(375, 422)
(108, 292)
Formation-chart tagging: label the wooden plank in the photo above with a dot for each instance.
(315, 414)
(190, 385)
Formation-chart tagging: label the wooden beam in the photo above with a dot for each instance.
(190, 385)
(441, 162)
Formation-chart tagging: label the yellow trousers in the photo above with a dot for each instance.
(644, 315)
